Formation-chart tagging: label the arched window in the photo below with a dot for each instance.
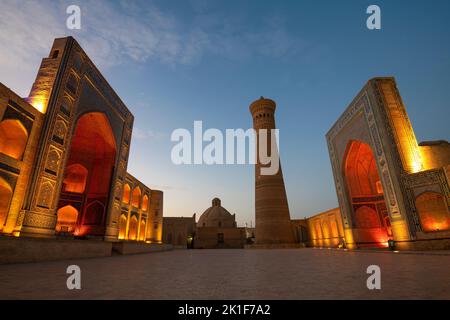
(75, 178)
(325, 230)
(67, 219)
(433, 212)
(5, 199)
(136, 197)
(13, 138)
(122, 226)
(145, 203)
(142, 231)
(126, 193)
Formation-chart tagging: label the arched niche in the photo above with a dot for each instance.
(13, 138)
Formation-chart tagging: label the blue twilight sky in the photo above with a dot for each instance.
(173, 62)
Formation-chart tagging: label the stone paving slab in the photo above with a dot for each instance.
(234, 274)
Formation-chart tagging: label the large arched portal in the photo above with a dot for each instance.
(369, 214)
(88, 173)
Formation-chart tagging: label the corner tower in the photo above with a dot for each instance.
(273, 223)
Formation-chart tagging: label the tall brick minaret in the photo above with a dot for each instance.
(273, 223)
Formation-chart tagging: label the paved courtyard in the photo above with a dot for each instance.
(234, 274)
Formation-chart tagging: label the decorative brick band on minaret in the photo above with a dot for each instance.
(273, 223)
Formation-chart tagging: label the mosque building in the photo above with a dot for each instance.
(64, 154)
(216, 229)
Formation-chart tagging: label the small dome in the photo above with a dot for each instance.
(216, 216)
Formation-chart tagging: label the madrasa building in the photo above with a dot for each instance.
(63, 158)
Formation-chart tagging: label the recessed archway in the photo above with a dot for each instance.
(89, 170)
(145, 203)
(13, 138)
(5, 199)
(75, 178)
(132, 234)
(142, 231)
(126, 193)
(433, 213)
(369, 213)
(122, 226)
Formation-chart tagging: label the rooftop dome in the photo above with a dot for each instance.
(217, 216)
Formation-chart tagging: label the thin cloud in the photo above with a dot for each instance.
(120, 32)
(147, 134)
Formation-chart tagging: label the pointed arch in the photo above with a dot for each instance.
(142, 230)
(136, 197)
(365, 194)
(89, 171)
(75, 178)
(132, 233)
(122, 226)
(126, 194)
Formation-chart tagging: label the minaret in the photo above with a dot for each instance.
(273, 223)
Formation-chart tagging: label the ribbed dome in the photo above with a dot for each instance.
(216, 216)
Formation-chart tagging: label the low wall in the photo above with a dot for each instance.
(139, 247)
(19, 250)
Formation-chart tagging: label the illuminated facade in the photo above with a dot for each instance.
(64, 154)
(389, 187)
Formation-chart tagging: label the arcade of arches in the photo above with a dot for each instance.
(140, 220)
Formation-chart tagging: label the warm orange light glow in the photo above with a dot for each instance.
(75, 178)
(132, 233)
(39, 103)
(122, 227)
(126, 194)
(5, 198)
(142, 231)
(145, 203)
(13, 138)
(136, 197)
(67, 219)
(89, 171)
(433, 212)
(370, 218)
(416, 165)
